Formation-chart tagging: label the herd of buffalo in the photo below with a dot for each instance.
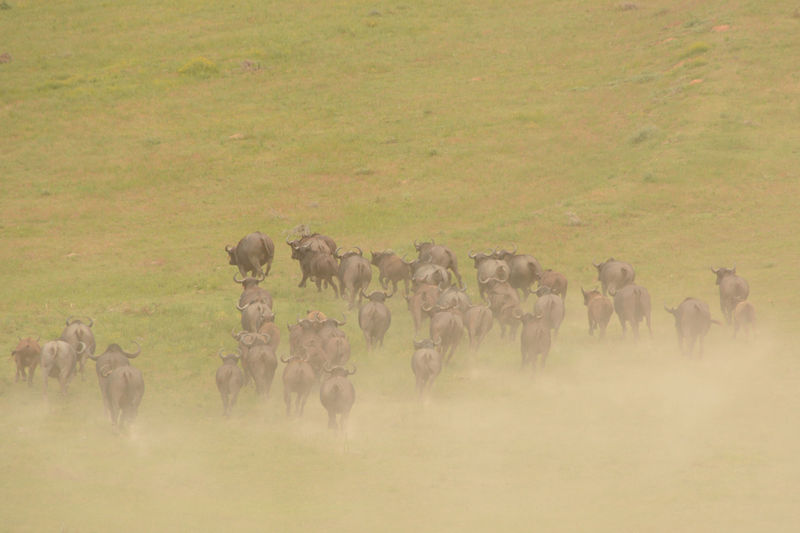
(433, 288)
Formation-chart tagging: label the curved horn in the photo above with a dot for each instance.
(228, 248)
(220, 352)
(83, 347)
(714, 270)
(237, 335)
(285, 360)
(247, 339)
(361, 253)
(239, 281)
(351, 372)
(517, 313)
(132, 355)
(69, 319)
(336, 253)
(243, 307)
(416, 244)
(514, 251)
(472, 255)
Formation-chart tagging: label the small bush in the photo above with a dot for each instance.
(201, 67)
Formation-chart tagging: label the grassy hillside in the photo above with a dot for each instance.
(140, 138)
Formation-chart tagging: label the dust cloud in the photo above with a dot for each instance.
(612, 435)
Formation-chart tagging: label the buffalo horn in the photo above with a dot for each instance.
(132, 355)
(285, 360)
(351, 372)
(220, 352)
(243, 307)
(239, 281)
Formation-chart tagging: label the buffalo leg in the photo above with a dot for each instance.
(287, 399)
(332, 420)
(224, 396)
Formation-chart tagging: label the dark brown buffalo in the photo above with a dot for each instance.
(551, 307)
(632, 304)
(692, 322)
(77, 332)
(456, 298)
(374, 318)
(534, 340)
(312, 338)
(229, 378)
(319, 266)
(251, 292)
(26, 356)
(254, 315)
(599, 310)
(744, 318)
(259, 361)
(732, 290)
(613, 274)
(298, 378)
(252, 252)
(489, 268)
(392, 269)
(478, 320)
(430, 252)
(447, 328)
(354, 274)
(556, 281)
(525, 270)
(337, 395)
(429, 274)
(316, 242)
(426, 363)
(503, 300)
(113, 357)
(125, 391)
(425, 295)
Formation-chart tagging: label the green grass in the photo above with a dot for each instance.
(671, 132)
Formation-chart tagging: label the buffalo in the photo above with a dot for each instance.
(391, 268)
(632, 304)
(478, 320)
(534, 340)
(318, 265)
(426, 363)
(254, 315)
(229, 378)
(448, 328)
(26, 356)
(113, 357)
(298, 378)
(489, 268)
(504, 302)
(524, 270)
(252, 252)
(429, 274)
(599, 310)
(259, 361)
(456, 298)
(424, 295)
(430, 252)
(744, 317)
(555, 281)
(58, 361)
(732, 290)
(613, 275)
(374, 318)
(551, 307)
(692, 322)
(354, 274)
(251, 292)
(337, 395)
(77, 332)
(125, 391)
